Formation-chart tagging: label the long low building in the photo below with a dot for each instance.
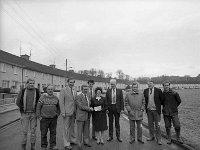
(15, 70)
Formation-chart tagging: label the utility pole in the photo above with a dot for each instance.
(66, 74)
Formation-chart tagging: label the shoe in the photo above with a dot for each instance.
(109, 139)
(72, 143)
(68, 147)
(120, 140)
(94, 138)
(131, 141)
(169, 141)
(101, 142)
(150, 139)
(180, 140)
(88, 144)
(23, 146)
(98, 143)
(141, 141)
(159, 143)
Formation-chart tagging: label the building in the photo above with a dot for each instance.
(15, 70)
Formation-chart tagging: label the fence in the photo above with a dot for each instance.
(6, 99)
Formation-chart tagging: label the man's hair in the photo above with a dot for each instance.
(30, 80)
(82, 86)
(135, 83)
(150, 81)
(128, 87)
(90, 81)
(98, 88)
(166, 82)
(113, 81)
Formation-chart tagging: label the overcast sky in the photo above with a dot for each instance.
(141, 37)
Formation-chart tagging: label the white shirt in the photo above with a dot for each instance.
(114, 96)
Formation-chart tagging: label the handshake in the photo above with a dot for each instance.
(91, 109)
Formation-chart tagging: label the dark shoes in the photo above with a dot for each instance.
(119, 139)
(150, 139)
(88, 144)
(132, 141)
(94, 138)
(68, 147)
(141, 141)
(180, 140)
(169, 141)
(159, 143)
(109, 139)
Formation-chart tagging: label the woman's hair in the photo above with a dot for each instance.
(98, 88)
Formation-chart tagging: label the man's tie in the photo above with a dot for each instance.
(86, 99)
(91, 92)
(150, 91)
(114, 97)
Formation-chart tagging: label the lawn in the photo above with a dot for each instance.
(189, 114)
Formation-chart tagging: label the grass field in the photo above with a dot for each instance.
(189, 115)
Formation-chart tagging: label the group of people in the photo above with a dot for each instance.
(152, 100)
(90, 108)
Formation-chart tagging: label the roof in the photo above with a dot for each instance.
(34, 66)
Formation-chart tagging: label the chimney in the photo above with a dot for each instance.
(26, 57)
(52, 66)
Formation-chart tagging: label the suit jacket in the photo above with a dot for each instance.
(89, 94)
(135, 105)
(83, 108)
(158, 98)
(67, 101)
(119, 99)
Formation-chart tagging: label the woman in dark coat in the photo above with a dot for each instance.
(99, 104)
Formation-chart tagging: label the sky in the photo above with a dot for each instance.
(143, 38)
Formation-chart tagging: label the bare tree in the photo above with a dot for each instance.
(101, 73)
(120, 74)
(93, 72)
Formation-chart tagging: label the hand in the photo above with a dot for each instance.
(91, 109)
(107, 111)
(63, 115)
(40, 118)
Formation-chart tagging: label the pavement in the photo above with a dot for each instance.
(8, 114)
(11, 136)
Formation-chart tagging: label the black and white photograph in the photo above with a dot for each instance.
(99, 74)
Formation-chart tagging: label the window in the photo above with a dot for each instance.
(5, 84)
(15, 70)
(3, 67)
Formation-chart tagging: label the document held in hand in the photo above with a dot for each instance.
(98, 108)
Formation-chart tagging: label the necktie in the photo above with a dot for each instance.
(113, 97)
(72, 92)
(86, 99)
(150, 91)
(91, 93)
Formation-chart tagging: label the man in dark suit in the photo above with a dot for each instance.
(115, 101)
(153, 98)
